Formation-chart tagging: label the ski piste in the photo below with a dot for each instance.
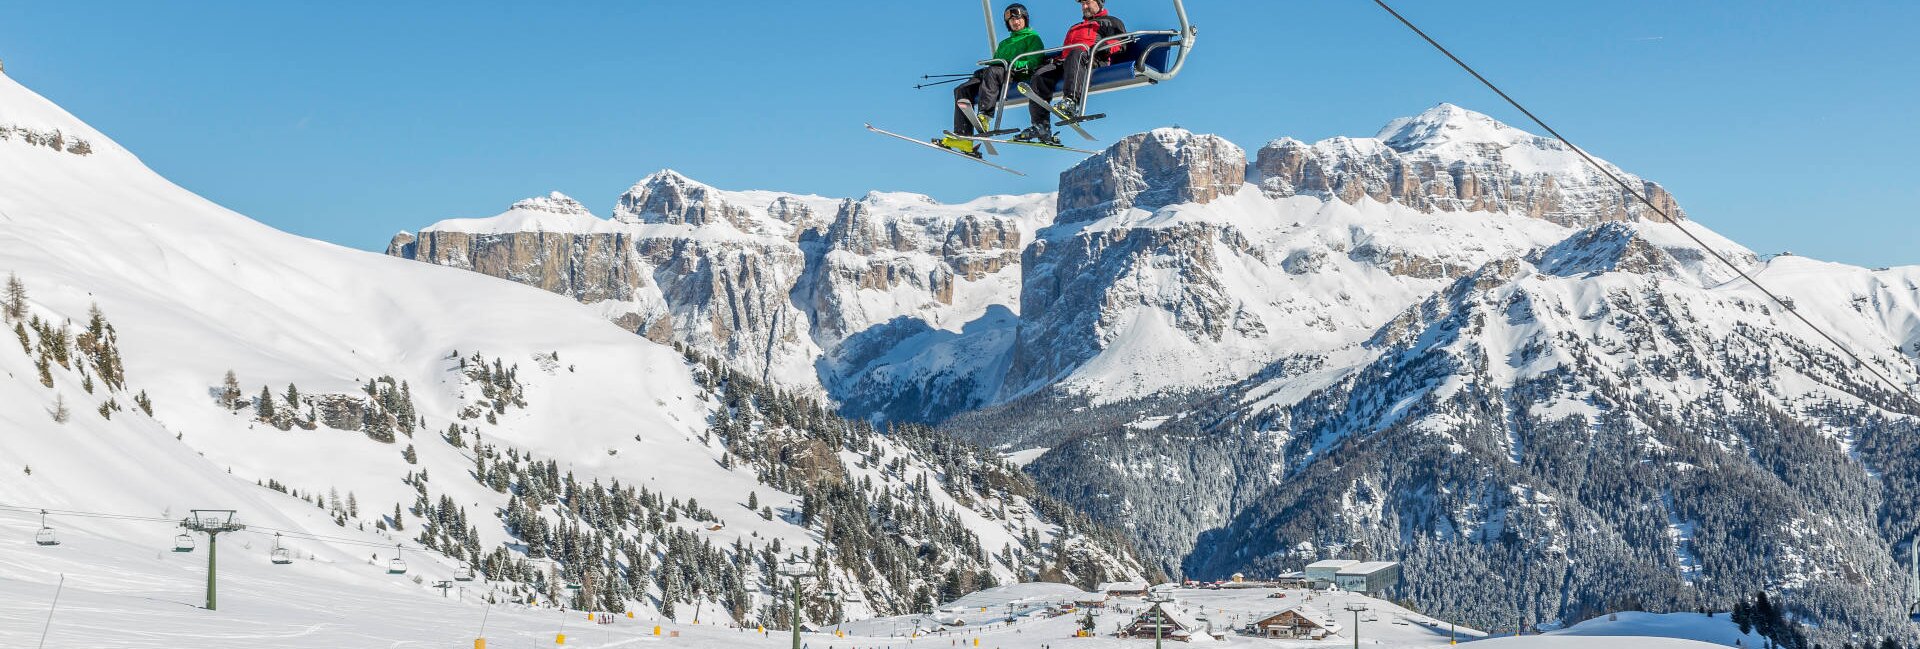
(1037, 145)
(1068, 120)
(973, 117)
(937, 147)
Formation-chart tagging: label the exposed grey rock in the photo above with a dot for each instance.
(1450, 159)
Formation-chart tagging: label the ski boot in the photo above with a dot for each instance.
(985, 122)
(1038, 135)
(962, 145)
(1069, 108)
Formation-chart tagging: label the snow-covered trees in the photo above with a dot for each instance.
(263, 408)
(59, 410)
(229, 394)
(13, 303)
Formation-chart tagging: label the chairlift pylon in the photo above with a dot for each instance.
(281, 556)
(397, 566)
(45, 536)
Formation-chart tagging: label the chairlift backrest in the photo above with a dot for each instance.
(1150, 57)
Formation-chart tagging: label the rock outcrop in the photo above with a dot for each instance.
(1450, 159)
(1149, 171)
(773, 283)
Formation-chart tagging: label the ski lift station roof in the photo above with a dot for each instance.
(1366, 568)
(1330, 564)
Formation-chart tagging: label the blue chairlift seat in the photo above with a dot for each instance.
(1148, 51)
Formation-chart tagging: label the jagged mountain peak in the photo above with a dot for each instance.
(1151, 170)
(1447, 124)
(1451, 159)
(554, 202)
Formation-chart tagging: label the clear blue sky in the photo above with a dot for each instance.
(1786, 125)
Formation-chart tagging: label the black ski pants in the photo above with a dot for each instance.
(1072, 72)
(984, 89)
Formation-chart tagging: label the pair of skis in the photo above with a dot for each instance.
(987, 141)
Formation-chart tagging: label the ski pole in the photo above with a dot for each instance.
(937, 83)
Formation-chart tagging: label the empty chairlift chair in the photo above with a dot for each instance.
(45, 536)
(397, 566)
(281, 555)
(183, 543)
(465, 573)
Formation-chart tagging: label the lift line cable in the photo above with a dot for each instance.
(1857, 360)
(69, 513)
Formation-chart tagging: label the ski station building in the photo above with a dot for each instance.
(1123, 588)
(1172, 622)
(1299, 622)
(1369, 578)
(1320, 573)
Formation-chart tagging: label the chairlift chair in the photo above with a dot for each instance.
(281, 556)
(397, 566)
(1149, 57)
(45, 536)
(183, 543)
(465, 573)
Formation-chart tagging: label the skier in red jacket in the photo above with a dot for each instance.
(1072, 68)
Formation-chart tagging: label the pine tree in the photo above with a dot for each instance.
(230, 391)
(411, 457)
(293, 396)
(14, 303)
(26, 346)
(397, 525)
(59, 412)
(146, 405)
(263, 406)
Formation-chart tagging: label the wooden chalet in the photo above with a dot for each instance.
(1299, 622)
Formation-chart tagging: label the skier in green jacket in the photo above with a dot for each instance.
(989, 84)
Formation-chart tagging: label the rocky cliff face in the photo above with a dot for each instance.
(773, 283)
(1450, 159)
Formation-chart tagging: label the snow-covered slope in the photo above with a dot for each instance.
(497, 423)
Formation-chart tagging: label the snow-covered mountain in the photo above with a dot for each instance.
(814, 294)
(1454, 343)
(173, 354)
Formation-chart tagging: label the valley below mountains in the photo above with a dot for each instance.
(1452, 344)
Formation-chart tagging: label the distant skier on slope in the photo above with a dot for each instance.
(1072, 68)
(976, 99)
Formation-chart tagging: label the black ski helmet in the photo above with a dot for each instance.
(1015, 9)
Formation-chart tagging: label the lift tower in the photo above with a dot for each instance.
(211, 522)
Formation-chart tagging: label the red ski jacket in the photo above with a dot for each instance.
(1090, 31)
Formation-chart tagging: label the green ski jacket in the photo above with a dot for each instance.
(1018, 43)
